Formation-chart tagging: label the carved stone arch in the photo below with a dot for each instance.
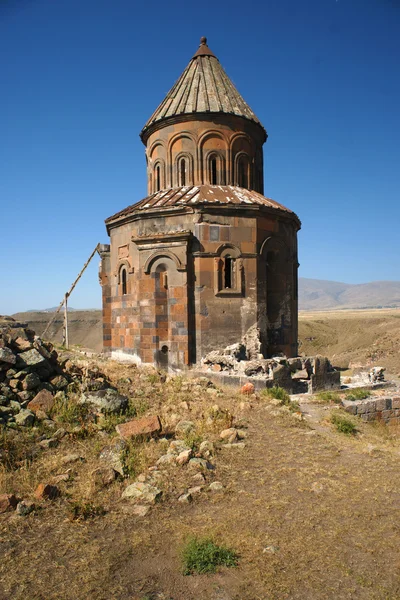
(189, 173)
(177, 136)
(237, 136)
(162, 254)
(271, 241)
(220, 149)
(154, 146)
(224, 249)
(124, 262)
(123, 271)
(188, 151)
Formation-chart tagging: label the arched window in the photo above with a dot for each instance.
(157, 179)
(229, 271)
(229, 276)
(182, 171)
(213, 171)
(123, 281)
(242, 171)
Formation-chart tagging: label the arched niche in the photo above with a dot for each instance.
(212, 144)
(182, 150)
(162, 257)
(242, 159)
(277, 264)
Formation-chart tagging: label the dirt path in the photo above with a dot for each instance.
(313, 517)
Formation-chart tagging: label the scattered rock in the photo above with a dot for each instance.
(206, 449)
(112, 455)
(106, 401)
(216, 486)
(195, 490)
(247, 388)
(71, 458)
(62, 477)
(103, 476)
(7, 356)
(8, 502)
(198, 463)
(49, 443)
(138, 510)
(31, 382)
(184, 427)
(142, 491)
(199, 478)
(24, 508)
(139, 427)
(45, 491)
(166, 459)
(177, 446)
(229, 435)
(183, 457)
(31, 358)
(185, 498)
(44, 401)
(25, 418)
(237, 445)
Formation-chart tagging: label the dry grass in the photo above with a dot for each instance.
(311, 512)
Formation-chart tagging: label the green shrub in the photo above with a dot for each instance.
(278, 393)
(357, 394)
(329, 396)
(202, 555)
(81, 511)
(343, 424)
(283, 396)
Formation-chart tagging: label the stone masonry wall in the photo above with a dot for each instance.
(386, 409)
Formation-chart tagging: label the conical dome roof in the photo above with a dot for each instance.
(203, 87)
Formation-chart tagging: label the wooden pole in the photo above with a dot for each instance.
(64, 300)
(65, 332)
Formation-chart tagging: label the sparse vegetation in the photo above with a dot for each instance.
(329, 396)
(82, 511)
(343, 424)
(357, 394)
(283, 396)
(203, 555)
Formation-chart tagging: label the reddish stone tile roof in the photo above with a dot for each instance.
(222, 195)
(203, 87)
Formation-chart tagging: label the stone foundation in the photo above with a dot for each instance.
(385, 409)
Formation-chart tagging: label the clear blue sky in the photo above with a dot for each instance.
(79, 78)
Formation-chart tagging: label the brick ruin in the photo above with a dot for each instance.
(205, 260)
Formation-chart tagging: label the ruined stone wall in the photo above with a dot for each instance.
(385, 409)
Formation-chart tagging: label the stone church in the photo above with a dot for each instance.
(205, 260)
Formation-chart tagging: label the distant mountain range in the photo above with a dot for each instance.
(318, 294)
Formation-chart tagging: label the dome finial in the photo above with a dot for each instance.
(203, 41)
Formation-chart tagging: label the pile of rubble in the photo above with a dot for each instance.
(30, 374)
(296, 375)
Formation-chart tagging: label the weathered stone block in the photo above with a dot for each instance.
(139, 427)
(383, 404)
(43, 400)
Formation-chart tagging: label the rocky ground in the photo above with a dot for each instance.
(116, 467)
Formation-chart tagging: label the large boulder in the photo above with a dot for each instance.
(139, 427)
(106, 401)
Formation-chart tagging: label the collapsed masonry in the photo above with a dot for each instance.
(237, 364)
